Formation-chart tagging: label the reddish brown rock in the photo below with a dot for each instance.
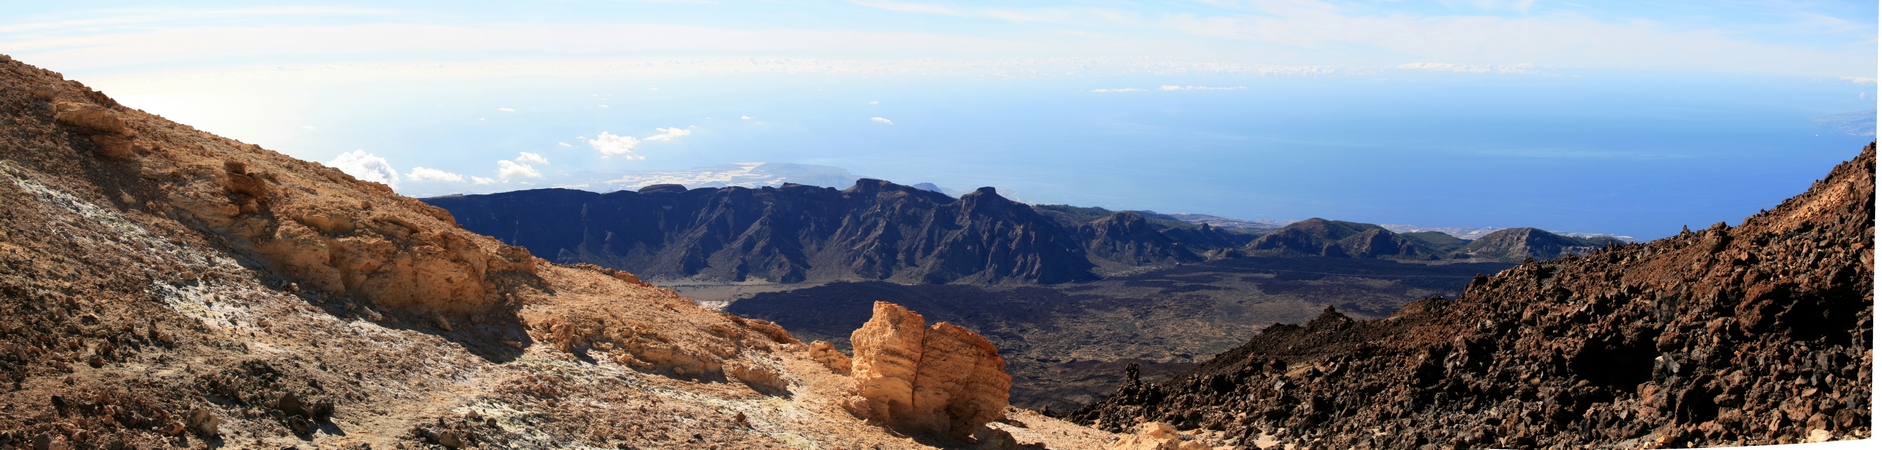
(1755, 334)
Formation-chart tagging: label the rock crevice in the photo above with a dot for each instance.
(941, 380)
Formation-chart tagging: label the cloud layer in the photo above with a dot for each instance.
(531, 158)
(508, 170)
(610, 144)
(668, 134)
(366, 166)
(430, 174)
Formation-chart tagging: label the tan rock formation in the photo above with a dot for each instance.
(87, 118)
(1156, 436)
(827, 354)
(942, 380)
(309, 223)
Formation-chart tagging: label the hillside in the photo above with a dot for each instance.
(1516, 244)
(168, 287)
(1755, 334)
(1334, 238)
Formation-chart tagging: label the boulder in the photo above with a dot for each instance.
(941, 380)
(87, 119)
(827, 354)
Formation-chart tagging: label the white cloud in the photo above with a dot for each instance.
(1521, 68)
(909, 7)
(564, 144)
(881, 120)
(310, 127)
(507, 169)
(872, 102)
(1858, 80)
(668, 134)
(610, 144)
(1117, 90)
(482, 180)
(604, 106)
(744, 117)
(506, 110)
(366, 166)
(430, 174)
(531, 158)
(1168, 87)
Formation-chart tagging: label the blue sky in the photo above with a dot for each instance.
(1619, 117)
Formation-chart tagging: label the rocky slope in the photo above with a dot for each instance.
(168, 287)
(1755, 334)
(874, 230)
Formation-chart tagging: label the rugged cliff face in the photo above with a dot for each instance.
(1755, 334)
(874, 230)
(1127, 238)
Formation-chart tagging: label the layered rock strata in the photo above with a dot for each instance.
(941, 380)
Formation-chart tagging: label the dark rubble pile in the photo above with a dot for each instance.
(1756, 334)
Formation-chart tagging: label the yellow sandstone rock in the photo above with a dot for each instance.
(942, 380)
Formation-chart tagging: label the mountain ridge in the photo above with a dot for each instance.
(874, 230)
(879, 230)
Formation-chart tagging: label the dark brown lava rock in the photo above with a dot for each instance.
(1756, 334)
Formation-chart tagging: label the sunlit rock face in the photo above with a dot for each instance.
(940, 380)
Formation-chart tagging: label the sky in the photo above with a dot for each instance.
(1631, 118)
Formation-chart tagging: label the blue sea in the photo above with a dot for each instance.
(1637, 154)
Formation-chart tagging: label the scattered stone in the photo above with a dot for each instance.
(204, 422)
(300, 425)
(450, 439)
(49, 441)
(292, 405)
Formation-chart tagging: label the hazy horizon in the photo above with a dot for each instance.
(1622, 118)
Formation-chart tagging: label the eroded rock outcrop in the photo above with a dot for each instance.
(309, 223)
(941, 380)
(671, 338)
(827, 354)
